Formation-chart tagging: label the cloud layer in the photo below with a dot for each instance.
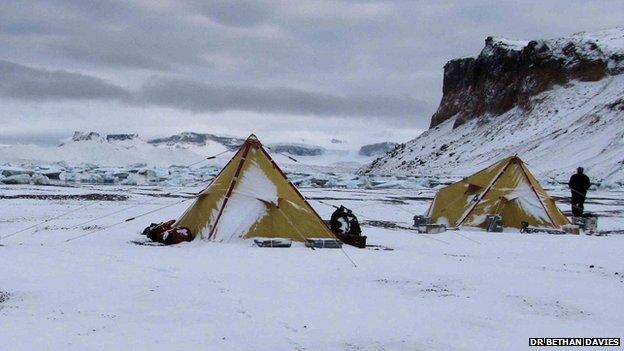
(282, 60)
(35, 84)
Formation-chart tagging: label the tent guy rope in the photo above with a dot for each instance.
(94, 203)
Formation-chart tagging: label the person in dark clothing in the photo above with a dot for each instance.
(579, 184)
(354, 224)
(335, 224)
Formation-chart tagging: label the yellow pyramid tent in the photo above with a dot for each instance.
(251, 197)
(506, 188)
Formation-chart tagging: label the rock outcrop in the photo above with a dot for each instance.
(199, 139)
(556, 103)
(83, 136)
(508, 73)
(297, 149)
(121, 137)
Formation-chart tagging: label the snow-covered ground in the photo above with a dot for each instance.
(465, 290)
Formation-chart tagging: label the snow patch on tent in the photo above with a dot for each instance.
(470, 198)
(241, 213)
(443, 220)
(526, 199)
(205, 232)
(470, 204)
(477, 221)
(247, 205)
(296, 206)
(256, 184)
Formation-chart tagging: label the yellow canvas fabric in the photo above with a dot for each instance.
(506, 188)
(262, 202)
(549, 203)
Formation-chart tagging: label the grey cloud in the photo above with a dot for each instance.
(27, 83)
(18, 28)
(332, 57)
(239, 13)
(34, 84)
(43, 138)
(199, 97)
(125, 55)
(112, 34)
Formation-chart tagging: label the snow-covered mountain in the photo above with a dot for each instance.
(91, 147)
(203, 141)
(377, 149)
(297, 149)
(200, 143)
(119, 150)
(127, 159)
(557, 103)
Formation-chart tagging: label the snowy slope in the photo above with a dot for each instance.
(580, 123)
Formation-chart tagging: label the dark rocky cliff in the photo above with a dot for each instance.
(556, 103)
(507, 74)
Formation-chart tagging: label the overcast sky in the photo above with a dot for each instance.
(287, 70)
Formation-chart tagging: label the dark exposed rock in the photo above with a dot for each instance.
(85, 136)
(508, 74)
(617, 105)
(4, 296)
(82, 136)
(90, 197)
(297, 149)
(121, 137)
